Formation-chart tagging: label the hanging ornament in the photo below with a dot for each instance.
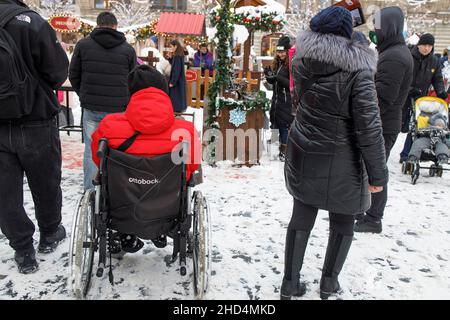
(237, 117)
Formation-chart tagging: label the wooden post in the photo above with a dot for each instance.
(151, 61)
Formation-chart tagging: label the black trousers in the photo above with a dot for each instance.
(304, 217)
(379, 199)
(34, 149)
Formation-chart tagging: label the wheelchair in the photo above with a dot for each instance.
(146, 197)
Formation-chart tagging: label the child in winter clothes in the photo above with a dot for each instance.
(436, 122)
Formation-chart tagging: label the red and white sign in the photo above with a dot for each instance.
(191, 75)
(65, 23)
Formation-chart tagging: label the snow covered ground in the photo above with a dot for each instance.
(250, 209)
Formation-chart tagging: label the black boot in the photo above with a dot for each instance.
(337, 250)
(282, 154)
(296, 242)
(48, 242)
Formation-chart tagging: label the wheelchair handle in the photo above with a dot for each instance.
(103, 144)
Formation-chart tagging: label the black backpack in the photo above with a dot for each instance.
(17, 85)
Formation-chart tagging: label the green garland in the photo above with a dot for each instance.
(260, 101)
(221, 21)
(267, 22)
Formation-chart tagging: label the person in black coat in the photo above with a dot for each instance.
(281, 110)
(335, 153)
(393, 80)
(99, 75)
(427, 72)
(177, 81)
(30, 144)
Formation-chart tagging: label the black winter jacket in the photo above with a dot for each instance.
(36, 41)
(394, 70)
(427, 72)
(335, 147)
(281, 109)
(99, 70)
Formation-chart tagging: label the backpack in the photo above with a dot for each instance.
(17, 85)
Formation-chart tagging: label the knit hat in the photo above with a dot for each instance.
(426, 38)
(284, 44)
(144, 76)
(336, 20)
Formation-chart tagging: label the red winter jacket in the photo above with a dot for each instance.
(149, 112)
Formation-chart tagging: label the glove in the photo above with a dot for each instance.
(443, 95)
(268, 72)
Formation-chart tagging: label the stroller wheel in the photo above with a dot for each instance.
(439, 171)
(433, 170)
(410, 167)
(404, 167)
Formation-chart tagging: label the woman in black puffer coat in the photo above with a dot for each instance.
(281, 110)
(335, 152)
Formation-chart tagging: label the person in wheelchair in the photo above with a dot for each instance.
(434, 130)
(150, 126)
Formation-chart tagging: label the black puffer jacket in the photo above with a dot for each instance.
(394, 70)
(281, 109)
(427, 72)
(36, 41)
(99, 70)
(335, 146)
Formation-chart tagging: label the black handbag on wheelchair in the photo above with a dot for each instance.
(144, 194)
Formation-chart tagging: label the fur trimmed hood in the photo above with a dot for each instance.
(331, 49)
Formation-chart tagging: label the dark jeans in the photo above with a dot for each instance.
(379, 199)
(284, 132)
(406, 147)
(32, 148)
(304, 217)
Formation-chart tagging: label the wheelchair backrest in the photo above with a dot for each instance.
(143, 189)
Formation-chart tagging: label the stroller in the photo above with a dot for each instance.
(424, 109)
(147, 197)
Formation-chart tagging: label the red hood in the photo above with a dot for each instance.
(150, 111)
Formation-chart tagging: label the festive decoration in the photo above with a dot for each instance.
(249, 102)
(64, 23)
(237, 117)
(267, 22)
(131, 13)
(48, 8)
(223, 37)
(85, 29)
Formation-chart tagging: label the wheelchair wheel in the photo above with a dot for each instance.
(82, 246)
(201, 237)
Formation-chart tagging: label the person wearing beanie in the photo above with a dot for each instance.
(427, 74)
(335, 152)
(150, 115)
(392, 81)
(281, 109)
(98, 74)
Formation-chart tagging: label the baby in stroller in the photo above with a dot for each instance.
(431, 130)
(149, 128)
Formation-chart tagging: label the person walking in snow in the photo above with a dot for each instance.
(99, 74)
(392, 80)
(427, 72)
(335, 152)
(29, 135)
(281, 110)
